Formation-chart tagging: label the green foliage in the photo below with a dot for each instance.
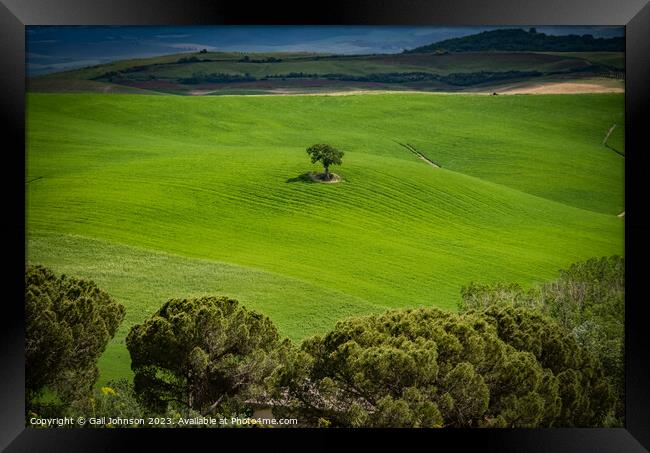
(205, 353)
(427, 368)
(327, 155)
(115, 400)
(476, 296)
(68, 323)
(117, 405)
(588, 299)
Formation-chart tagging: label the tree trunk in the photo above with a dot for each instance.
(327, 173)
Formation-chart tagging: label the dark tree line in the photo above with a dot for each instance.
(247, 59)
(524, 40)
(458, 79)
(215, 77)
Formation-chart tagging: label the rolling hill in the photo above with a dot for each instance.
(156, 197)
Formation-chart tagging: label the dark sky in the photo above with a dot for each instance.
(54, 48)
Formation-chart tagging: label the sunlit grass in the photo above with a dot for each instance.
(157, 197)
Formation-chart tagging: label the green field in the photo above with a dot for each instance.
(156, 197)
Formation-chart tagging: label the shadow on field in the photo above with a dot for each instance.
(305, 177)
(312, 177)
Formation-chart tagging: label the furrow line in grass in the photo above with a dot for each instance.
(409, 208)
(154, 211)
(267, 200)
(449, 201)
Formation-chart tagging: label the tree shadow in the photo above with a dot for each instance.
(313, 177)
(305, 177)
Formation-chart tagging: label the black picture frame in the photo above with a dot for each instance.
(633, 14)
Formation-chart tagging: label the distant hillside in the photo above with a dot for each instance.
(236, 73)
(522, 40)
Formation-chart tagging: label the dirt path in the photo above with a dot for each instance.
(331, 93)
(412, 149)
(560, 88)
(529, 87)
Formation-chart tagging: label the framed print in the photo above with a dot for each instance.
(351, 219)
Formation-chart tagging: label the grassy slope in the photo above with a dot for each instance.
(525, 189)
(550, 146)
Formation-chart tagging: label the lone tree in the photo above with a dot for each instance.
(327, 155)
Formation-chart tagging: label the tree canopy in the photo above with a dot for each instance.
(327, 155)
(428, 368)
(203, 353)
(587, 299)
(68, 323)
